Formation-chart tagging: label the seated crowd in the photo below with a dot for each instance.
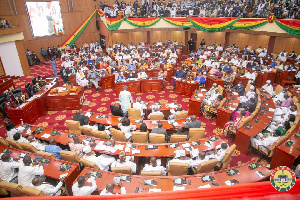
(246, 9)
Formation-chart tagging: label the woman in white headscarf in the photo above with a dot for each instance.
(80, 79)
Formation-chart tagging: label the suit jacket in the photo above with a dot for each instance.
(195, 124)
(161, 131)
(79, 118)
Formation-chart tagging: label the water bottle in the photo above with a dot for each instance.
(21, 121)
(291, 150)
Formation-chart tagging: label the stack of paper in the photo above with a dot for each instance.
(46, 135)
(135, 151)
(205, 186)
(181, 187)
(63, 175)
(119, 147)
(154, 190)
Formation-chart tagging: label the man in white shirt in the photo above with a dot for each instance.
(8, 168)
(219, 48)
(11, 130)
(220, 151)
(269, 88)
(154, 167)
(36, 143)
(121, 162)
(125, 99)
(103, 161)
(109, 190)
(79, 188)
(17, 137)
(268, 69)
(142, 75)
(139, 105)
(155, 111)
(198, 158)
(48, 189)
(28, 171)
(251, 76)
(180, 157)
(262, 140)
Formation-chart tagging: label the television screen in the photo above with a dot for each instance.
(45, 18)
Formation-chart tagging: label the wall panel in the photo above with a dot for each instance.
(126, 38)
(287, 44)
(241, 40)
(210, 38)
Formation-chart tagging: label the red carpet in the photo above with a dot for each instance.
(101, 100)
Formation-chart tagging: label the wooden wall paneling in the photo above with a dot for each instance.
(287, 44)
(271, 44)
(22, 56)
(210, 38)
(241, 40)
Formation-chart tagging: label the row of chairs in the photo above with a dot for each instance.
(180, 169)
(16, 190)
(137, 137)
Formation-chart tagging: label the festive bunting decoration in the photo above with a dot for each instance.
(100, 13)
(179, 21)
(292, 27)
(73, 37)
(142, 22)
(209, 24)
(113, 24)
(248, 23)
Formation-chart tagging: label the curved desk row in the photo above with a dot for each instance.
(134, 149)
(167, 183)
(256, 125)
(52, 169)
(6, 84)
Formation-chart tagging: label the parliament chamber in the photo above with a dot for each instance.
(140, 108)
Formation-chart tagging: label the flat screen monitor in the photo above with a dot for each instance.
(45, 18)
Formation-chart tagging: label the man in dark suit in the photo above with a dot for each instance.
(131, 75)
(79, 117)
(64, 74)
(160, 130)
(193, 123)
(240, 89)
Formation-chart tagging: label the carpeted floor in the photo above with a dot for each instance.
(101, 100)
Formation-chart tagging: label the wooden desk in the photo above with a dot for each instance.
(161, 151)
(133, 86)
(52, 170)
(71, 101)
(152, 73)
(151, 85)
(282, 155)
(210, 80)
(186, 87)
(284, 76)
(224, 113)
(243, 79)
(166, 183)
(6, 84)
(30, 111)
(243, 136)
(262, 77)
(195, 103)
(108, 81)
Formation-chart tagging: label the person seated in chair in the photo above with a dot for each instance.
(103, 161)
(268, 88)
(160, 130)
(124, 162)
(36, 143)
(47, 188)
(155, 111)
(239, 88)
(79, 117)
(17, 137)
(120, 78)
(178, 110)
(79, 188)
(131, 75)
(94, 78)
(220, 151)
(180, 157)
(154, 167)
(228, 79)
(8, 167)
(126, 127)
(11, 130)
(197, 158)
(109, 189)
(139, 105)
(193, 123)
(142, 75)
(41, 81)
(264, 140)
(53, 148)
(77, 146)
(36, 87)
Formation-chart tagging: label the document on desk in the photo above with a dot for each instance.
(46, 135)
(154, 190)
(271, 110)
(63, 175)
(181, 187)
(207, 144)
(232, 109)
(135, 151)
(205, 186)
(88, 114)
(100, 146)
(119, 147)
(186, 145)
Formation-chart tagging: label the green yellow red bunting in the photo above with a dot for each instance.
(209, 24)
(73, 37)
(100, 13)
(113, 24)
(179, 21)
(142, 22)
(248, 23)
(292, 27)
